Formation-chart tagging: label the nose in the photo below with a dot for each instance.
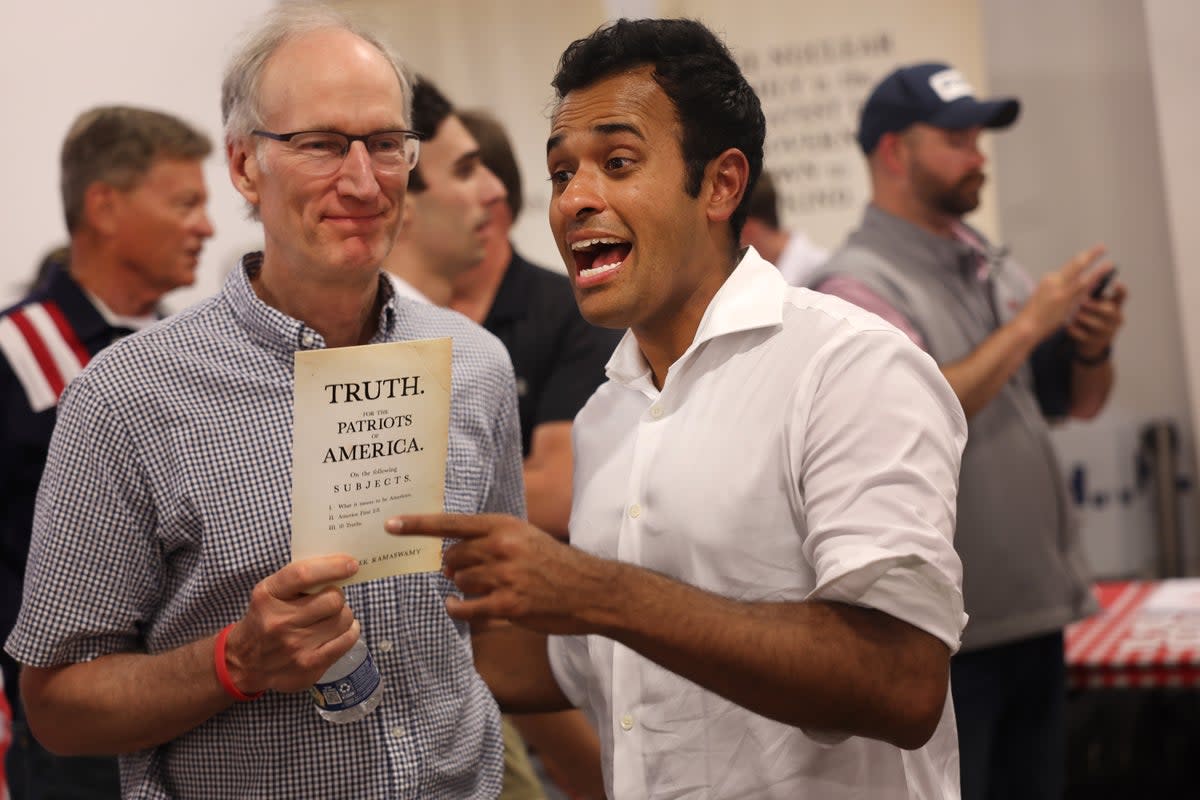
(581, 196)
(978, 159)
(356, 178)
(204, 227)
(491, 190)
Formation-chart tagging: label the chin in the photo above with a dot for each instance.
(602, 314)
(361, 255)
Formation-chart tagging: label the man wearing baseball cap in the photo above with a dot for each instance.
(1015, 352)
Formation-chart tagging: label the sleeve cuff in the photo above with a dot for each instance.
(907, 588)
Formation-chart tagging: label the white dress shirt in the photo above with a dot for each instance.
(799, 449)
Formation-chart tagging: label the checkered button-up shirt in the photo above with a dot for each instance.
(166, 498)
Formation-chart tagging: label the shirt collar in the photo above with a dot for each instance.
(116, 320)
(915, 246)
(277, 330)
(86, 319)
(750, 298)
(512, 295)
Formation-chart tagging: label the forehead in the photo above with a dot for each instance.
(451, 142)
(330, 78)
(169, 174)
(631, 98)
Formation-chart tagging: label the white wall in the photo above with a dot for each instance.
(58, 59)
(1175, 68)
(1087, 162)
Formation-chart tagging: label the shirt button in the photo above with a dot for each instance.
(656, 412)
(306, 339)
(627, 722)
(385, 646)
(397, 732)
(635, 511)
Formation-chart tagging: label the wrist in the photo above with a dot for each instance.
(608, 591)
(221, 665)
(1027, 330)
(1095, 360)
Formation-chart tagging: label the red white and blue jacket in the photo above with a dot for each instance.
(45, 340)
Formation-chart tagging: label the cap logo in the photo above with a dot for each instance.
(949, 85)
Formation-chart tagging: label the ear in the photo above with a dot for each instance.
(101, 207)
(726, 176)
(244, 169)
(892, 154)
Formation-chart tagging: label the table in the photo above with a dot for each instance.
(1147, 635)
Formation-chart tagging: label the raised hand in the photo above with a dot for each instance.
(1096, 322)
(1058, 294)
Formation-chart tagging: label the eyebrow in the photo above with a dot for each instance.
(475, 156)
(604, 129)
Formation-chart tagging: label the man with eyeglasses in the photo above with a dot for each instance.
(164, 515)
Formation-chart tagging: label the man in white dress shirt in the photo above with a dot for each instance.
(762, 596)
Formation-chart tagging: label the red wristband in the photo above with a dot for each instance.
(223, 669)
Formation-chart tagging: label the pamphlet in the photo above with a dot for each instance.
(372, 426)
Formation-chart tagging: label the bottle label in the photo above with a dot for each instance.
(348, 691)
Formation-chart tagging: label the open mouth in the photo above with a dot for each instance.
(597, 257)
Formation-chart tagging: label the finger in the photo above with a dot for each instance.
(1092, 317)
(476, 581)
(302, 577)
(1118, 294)
(1082, 260)
(447, 526)
(1095, 276)
(1084, 331)
(473, 610)
(309, 664)
(462, 555)
(314, 609)
(337, 646)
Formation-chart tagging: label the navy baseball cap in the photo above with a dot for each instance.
(935, 94)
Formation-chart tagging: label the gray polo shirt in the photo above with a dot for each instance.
(1023, 572)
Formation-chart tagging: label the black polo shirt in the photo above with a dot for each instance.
(557, 355)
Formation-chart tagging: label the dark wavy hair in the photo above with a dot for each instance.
(716, 107)
(429, 110)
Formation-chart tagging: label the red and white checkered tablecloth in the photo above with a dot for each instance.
(1146, 635)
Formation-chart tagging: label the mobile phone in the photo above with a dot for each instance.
(1099, 289)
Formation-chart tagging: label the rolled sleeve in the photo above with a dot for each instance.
(881, 448)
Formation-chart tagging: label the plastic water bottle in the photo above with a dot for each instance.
(350, 689)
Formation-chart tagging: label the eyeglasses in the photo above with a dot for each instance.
(322, 152)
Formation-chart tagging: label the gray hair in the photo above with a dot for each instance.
(241, 109)
(118, 145)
